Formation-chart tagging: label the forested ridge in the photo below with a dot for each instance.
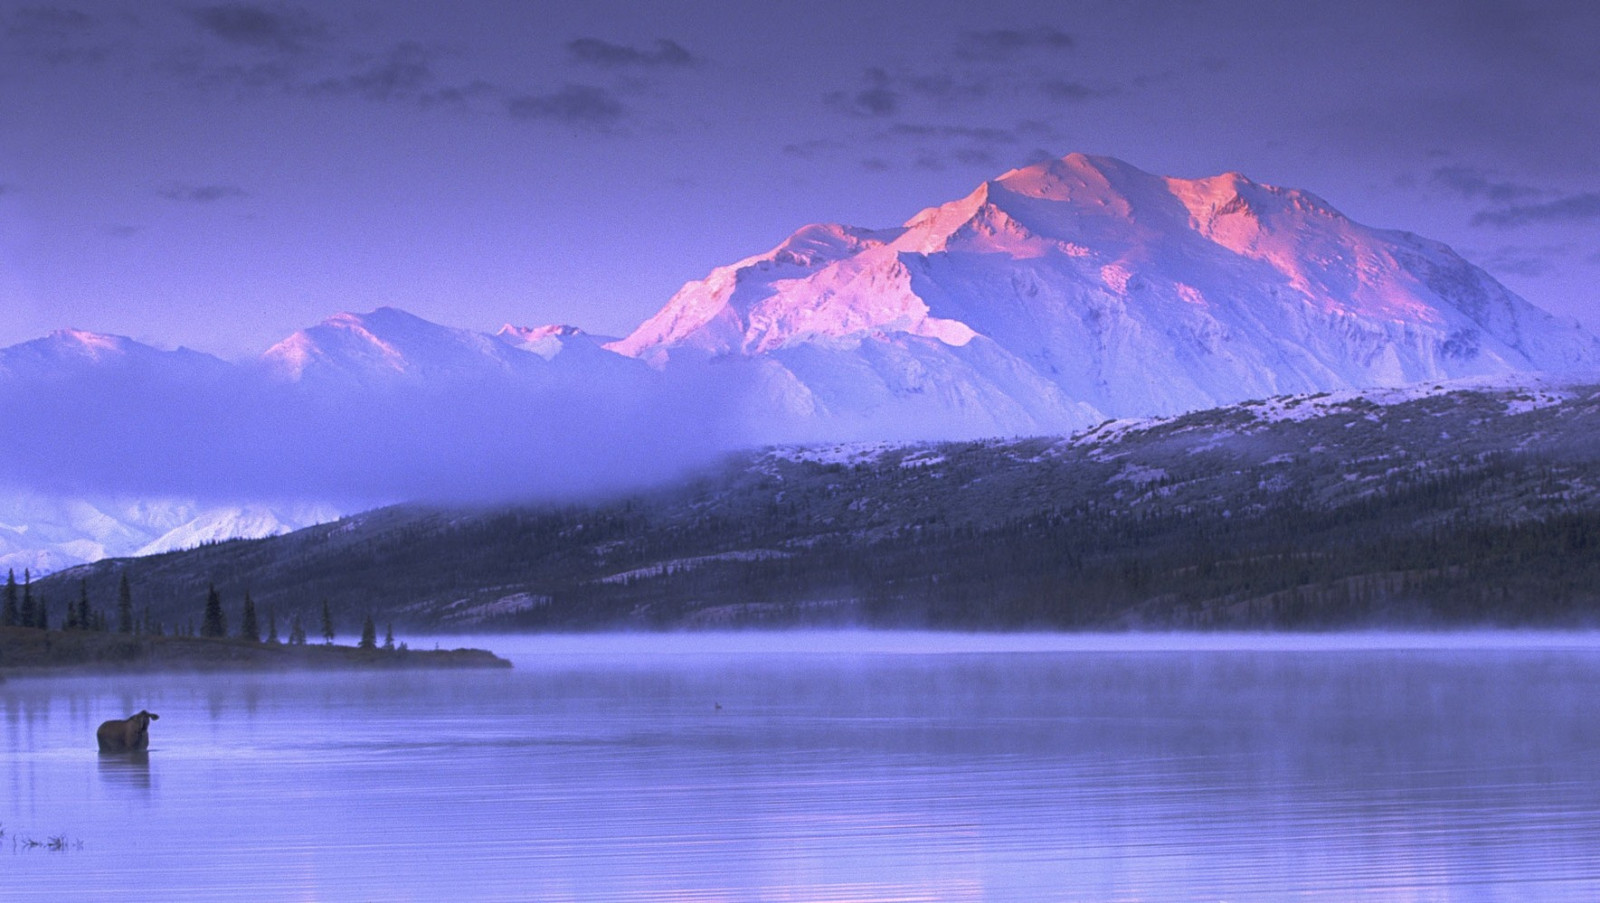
(1456, 507)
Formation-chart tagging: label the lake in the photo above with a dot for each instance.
(841, 767)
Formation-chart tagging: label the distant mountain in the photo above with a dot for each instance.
(66, 353)
(117, 446)
(390, 346)
(49, 532)
(1083, 288)
(1047, 300)
(1433, 504)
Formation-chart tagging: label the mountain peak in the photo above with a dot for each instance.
(1090, 287)
(80, 347)
(383, 344)
(545, 341)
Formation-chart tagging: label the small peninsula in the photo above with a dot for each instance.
(29, 650)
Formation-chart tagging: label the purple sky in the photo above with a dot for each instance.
(218, 176)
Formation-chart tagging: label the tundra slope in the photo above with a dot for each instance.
(1433, 505)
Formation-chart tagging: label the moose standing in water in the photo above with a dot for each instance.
(131, 734)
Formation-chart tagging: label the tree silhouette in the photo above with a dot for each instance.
(84, 618)
(124, 606)
(29, 616)
(215, 624)
(297, 631)
(388, 636)
(369, 633)
(327, 623)
(272, 627)
(249, 630)
(13, 614)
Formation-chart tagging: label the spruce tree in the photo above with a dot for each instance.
(369, 634)
(215, 624)
(29, 616)
(327, 624)
(272, 627)
(13, 614)
(297, 631)
(124, 607)
(388, 637)
(249, 630)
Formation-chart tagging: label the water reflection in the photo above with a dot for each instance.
(1241, 774)
(125, 769)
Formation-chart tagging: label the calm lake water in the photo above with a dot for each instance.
(838, 767)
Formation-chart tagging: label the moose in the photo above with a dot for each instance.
(131, 734)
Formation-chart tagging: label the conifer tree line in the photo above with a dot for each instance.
(23, 608)
(214, 624)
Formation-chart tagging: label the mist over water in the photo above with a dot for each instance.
(856, 766)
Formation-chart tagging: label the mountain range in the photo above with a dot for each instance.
(1047, 300)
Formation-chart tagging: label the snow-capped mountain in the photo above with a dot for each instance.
(390, 348)
(1083, 288)
(390, 345)
(1051, 298)
(69, 352)
(48, 532)
(549, 341)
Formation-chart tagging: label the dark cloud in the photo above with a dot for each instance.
(1525, 260)
(57, 35)
(1039, 155)
(405, 72)
(1472, 182)
(1004, 44)
(201, 194)
(876, 98)
(1574, 208)
(1073, 91)
(282, 29)
(975, 156)
(980, 134)
(604, 53)
(579, 105)
(814, 148)
(946, 87)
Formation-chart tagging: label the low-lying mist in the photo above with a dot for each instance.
(239, 435)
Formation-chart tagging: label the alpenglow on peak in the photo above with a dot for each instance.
(1082, 288)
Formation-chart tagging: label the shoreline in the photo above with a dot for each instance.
(29, 652)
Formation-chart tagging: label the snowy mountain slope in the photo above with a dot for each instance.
(69, 352)
(1081, 288)
(390, 345)
(121, 429)
(217, 524)
(45, 533)
(549, 341)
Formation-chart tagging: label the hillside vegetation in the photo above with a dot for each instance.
(1438, 506)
